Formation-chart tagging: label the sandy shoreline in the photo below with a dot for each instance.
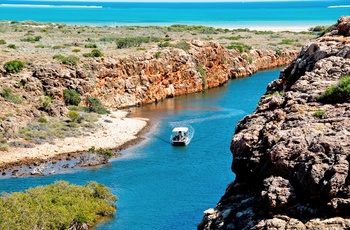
(113, 132)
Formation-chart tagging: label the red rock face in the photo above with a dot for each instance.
(291, 156)
(344, 26)
(145, 79)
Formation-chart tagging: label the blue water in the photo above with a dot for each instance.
(226, 15)
(164, 187)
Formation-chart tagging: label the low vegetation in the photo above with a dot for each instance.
(31, 39)
(102, 152)
(46, 129)
(197, 29)
(239, 46)
(94, 53)
(57, 206)
(201, 71)
(180, 45)
(71, 97)
(95, 105)
(339, 93)
(14, 66)
(10, 96)
(68, 60)
(128, 42)
(319, 113)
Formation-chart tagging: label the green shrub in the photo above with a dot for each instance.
(134, 41)
(264, 32)
(337, 94)
(95, 105)
(319, 113)
(31, 39)
(94, 53)
(76, 50)
(73, 115)
(232, 37)
(42, 120)
(279, 53)
(57, 206)
(318, 28)
(12, 46)
(9, 96)
(46, 100)
(182, 45)
(4, 147)
(2, 42)
(71, 97)
(69, 60)
(58, 47)
(201, 71)
(239, 46)
(287, 41)
(249, 59)
(105, 153)
(14, 66)
(158, 55)
(198, 29)
(165, 44)
(94, 46)
(276, 93)
(328, 29)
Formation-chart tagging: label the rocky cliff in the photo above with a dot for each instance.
(149, 77)
(154, 76)
(291, 156)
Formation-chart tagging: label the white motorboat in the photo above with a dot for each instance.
(180, 136)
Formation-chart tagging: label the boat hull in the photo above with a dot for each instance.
(180, 143)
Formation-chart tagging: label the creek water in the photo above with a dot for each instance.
(160, 186)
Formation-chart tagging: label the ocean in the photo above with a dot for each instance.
(287, 15)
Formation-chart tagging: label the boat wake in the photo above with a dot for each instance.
(47, 6)
(216, 116)
(340, 6)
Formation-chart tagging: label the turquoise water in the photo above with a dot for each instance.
(227, 15)
(164, 187)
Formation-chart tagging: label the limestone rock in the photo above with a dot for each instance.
(292, 163)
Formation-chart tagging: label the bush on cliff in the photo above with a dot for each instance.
(69, 60)
(201, 71)
(337, 94)
(94, 53)
(71, 97)
(239, 46)
(95, 105)
(56, 206)
(180, 45)
(31, 39)
(134, 41)
(10, 96)
(14, 66)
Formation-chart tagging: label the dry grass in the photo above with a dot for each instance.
(36, 42)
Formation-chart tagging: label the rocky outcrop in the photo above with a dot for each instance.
(153, 76)
(291, 156)
(123, 82)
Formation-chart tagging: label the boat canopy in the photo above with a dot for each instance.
(180, 129)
